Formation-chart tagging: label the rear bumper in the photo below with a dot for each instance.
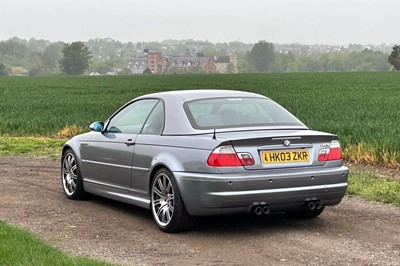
(214, 194)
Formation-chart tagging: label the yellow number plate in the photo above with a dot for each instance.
(288, 156)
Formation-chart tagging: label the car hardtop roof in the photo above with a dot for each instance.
(189, 95)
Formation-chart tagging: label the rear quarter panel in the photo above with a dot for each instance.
(176, 153)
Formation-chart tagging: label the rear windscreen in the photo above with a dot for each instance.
(238, 112)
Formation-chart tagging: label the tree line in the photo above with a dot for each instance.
(263, 58)
(41, 57)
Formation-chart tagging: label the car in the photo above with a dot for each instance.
(190, 153)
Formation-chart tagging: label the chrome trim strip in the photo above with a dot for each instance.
(285, 138)
(116, 165)
(276, 190)
(103, 184)
(134, 198)
(140, 168)
(281, 147)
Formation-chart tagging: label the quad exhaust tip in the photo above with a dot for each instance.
(266, 209)
(258, 210)
(311, 205)
(261, 209)
(314, 205)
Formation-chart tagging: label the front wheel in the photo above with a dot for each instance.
(71, 178)
(168, 209)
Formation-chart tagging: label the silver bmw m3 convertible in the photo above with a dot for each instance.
(191, 153)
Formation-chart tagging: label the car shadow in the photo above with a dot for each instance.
(226, 224)
(130, 209)
(273, 222)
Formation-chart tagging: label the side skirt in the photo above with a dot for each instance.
(117, 194)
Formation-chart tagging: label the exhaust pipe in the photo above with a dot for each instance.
(311, 205)
(318, 205)
(258, 210)
(266, 209)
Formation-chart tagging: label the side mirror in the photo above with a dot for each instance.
(97, 126)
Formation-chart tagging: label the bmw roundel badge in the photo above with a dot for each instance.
(286, 143)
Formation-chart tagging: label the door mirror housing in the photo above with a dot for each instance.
(97, 126)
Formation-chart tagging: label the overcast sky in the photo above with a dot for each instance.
(279, 21)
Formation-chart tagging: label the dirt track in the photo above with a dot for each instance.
(356, 232)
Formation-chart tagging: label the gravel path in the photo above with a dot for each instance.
(356, 232)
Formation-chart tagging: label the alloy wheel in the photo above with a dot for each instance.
(162, 199)
(69, 174)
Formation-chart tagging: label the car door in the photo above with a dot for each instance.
(110, 153)
(148, 146)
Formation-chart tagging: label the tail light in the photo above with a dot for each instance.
(334, 152)
(227, 156)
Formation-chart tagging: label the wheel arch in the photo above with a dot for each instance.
(153, 172)
(64, 149)
(72, 146)
(169, 162)
(164, 160)
(75, 149)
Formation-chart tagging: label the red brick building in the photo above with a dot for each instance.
(156, 63)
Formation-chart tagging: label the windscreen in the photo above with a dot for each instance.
(238, 112)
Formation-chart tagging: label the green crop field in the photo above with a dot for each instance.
(362, 108)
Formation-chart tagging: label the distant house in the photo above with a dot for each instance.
(138, 65)
(150, 60)
(191, 64)
(157, 64)
(19, 71)
(226, 64)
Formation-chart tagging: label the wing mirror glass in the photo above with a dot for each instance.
(97, 126)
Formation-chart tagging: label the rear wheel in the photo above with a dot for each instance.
(167, 206)
(71, 178)
(306, 213)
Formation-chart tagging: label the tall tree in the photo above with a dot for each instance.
(262, 55)
(36, 59)
(14, 48)
(52, 56)
(76, 58)
(394, 57)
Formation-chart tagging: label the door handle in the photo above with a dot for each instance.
(130, 142)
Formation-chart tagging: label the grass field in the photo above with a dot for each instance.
(368, 186)
(362, 108)
(17, 247)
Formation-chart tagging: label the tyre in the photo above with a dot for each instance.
(71, 178)
(305, 213)
(167, 207)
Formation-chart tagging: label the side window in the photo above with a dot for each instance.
(155, 122)
(130, 120)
